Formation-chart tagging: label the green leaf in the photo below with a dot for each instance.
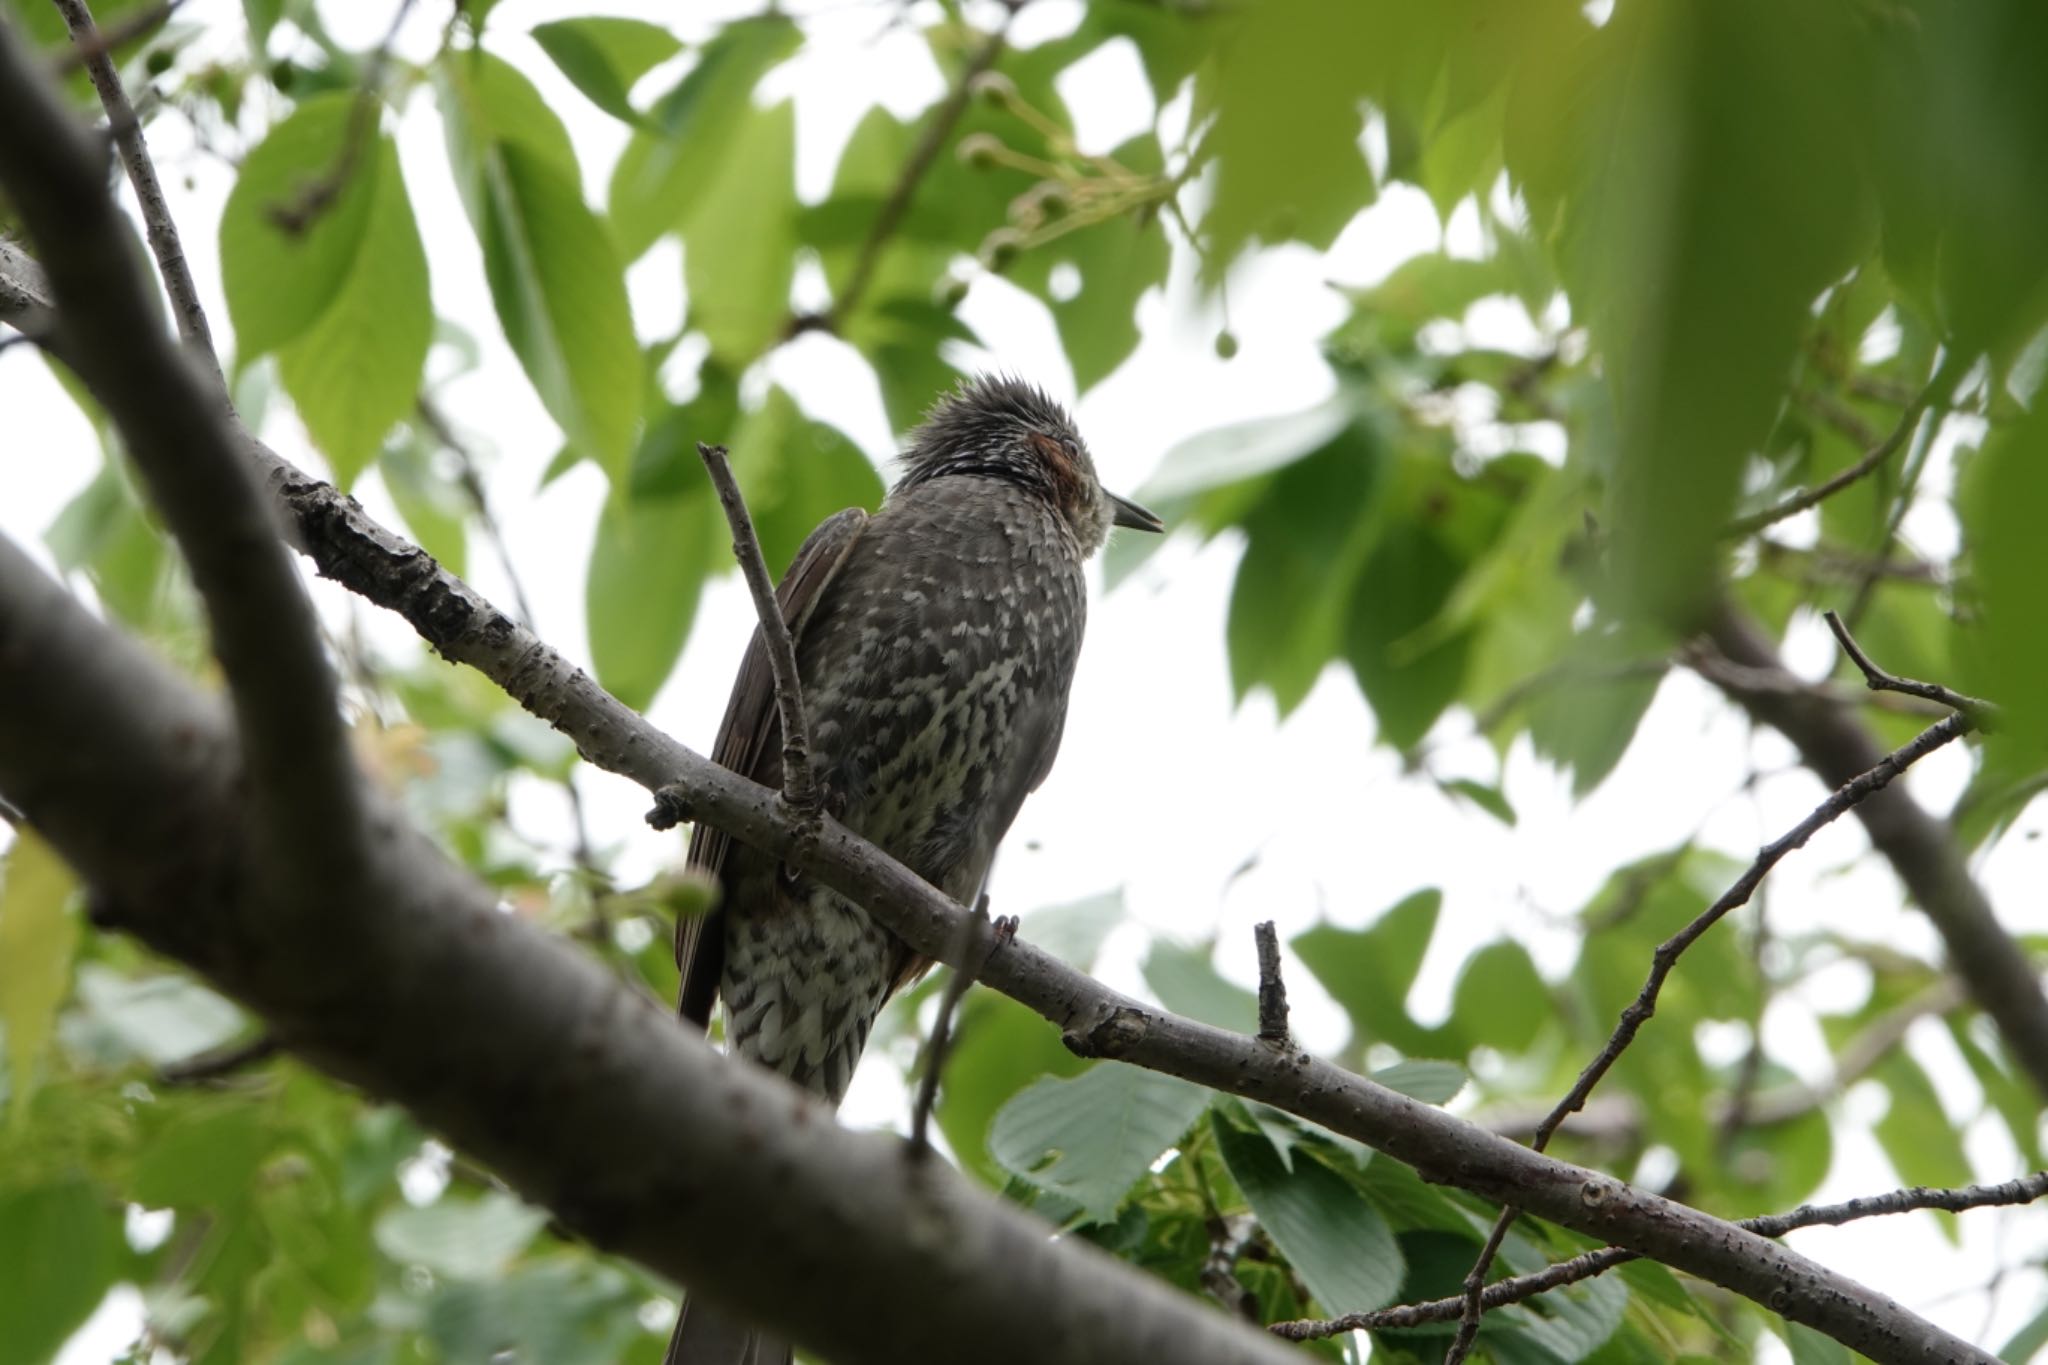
(1187, 982)
(1492, 800)
(796, 473)
(280, 282)
(2027, 1343)
(999, 1047)
(1915, 1132)
(556, 279)
(604, 57)
(1368, 971)
(56, 1260)
(204, 1160)
(1695, 218)
(1428, 1081)
(2002, 501)
(38, 935)
(1501, 1001)
(1288, 89)
(434, 511)
(468, 1239)
(106, 531)
(648, 566)
(740, 238)
(1809, 1347)
(1338, 1243)
(663, 173)
(564, 1313)
(356, 370)
(1074, 932)
(162, 1019)
(1309, 533)
(1090, 1138)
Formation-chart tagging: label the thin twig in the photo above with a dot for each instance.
(220, 1062)
(318, 195)
(1875, 456)
(1844, 798)
(940, 1043)
(1983, 713)
(929, 144)
(439, 427)
(149, 193)
(1949, 372)
(799, 788)
(110, 40)
(2024, 1190)
(1272, 990)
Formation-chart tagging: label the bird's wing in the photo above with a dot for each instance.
(749, 743)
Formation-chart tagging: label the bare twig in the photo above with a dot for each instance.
(1983, 713)
(1847, 796)
(110, 40)
(219, 1062)
(929, 144)
(799, 787)
(1272, 990)
(317, 196)
(940, 1042)
(2021, 1191)
(1875, 456)
(91, 46)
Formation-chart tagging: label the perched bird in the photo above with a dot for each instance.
(935, 644)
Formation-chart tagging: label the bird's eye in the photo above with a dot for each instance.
(1071, 447)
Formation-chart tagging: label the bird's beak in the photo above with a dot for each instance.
(1128, 513)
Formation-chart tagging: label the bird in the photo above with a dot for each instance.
(936, 642)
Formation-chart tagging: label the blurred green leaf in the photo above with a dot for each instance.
(1187, 982)
(162, 1019)
(355, 371)
(663, 173)
(561, 1313)
(556, 280)
(2002, 500)
(648, 566)
(1288, 90)
(434, 510)
(1333, 1238)
(797, 473)
(1090, 1137)
(57, 1246)
(38, 934)
(278, 281)
(999, 1048)
(740, 238)
(1368, 971)
(1430, 1082)
(1915, 1132)
(466, 1239)
(1501, 1001)
(604, 57)
(205, 1159)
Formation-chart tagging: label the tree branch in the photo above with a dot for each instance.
(1920, 849)
(2025, 1190)
(1944, 377)
(1272, 989)
(1983, 713)
(183, 438)
(1845, 798)
(524, 1051)
(799, 787)
(149, 193)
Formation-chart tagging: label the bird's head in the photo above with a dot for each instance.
(1002, 428)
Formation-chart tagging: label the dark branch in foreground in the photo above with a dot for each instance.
(1499, 1294)
(799, 787)
(627, 1128)
(1639, 1010)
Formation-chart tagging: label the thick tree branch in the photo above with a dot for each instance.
(525, 1052)
(2025, 1190)
(181, 435)
(1920, 849)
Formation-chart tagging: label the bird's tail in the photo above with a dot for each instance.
(703, 1336)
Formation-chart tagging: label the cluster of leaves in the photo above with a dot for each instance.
(1746, 237)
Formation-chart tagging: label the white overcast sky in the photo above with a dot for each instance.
(1211, 817)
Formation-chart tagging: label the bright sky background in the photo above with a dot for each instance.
(1210, 816)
